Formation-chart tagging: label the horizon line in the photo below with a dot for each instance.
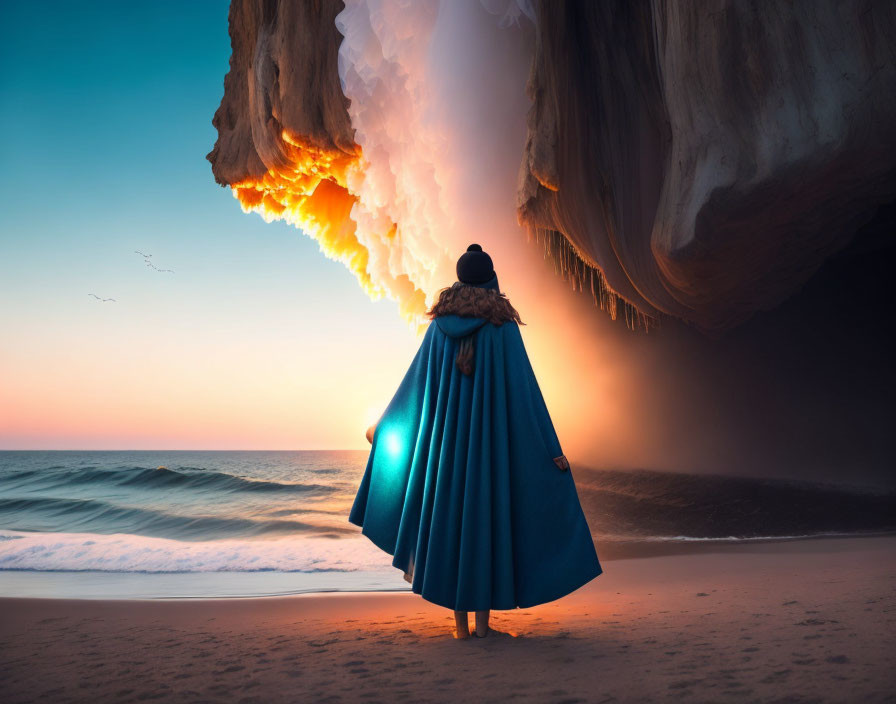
(138, 449)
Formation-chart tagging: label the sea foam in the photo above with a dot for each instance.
(135, 553)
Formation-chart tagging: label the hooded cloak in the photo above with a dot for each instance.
(461, 487)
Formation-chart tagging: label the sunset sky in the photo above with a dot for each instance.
(255, 342)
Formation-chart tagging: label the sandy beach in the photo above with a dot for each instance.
(794, 621)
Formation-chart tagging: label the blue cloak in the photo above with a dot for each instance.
(461, 487)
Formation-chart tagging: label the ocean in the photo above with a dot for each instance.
(186, 524)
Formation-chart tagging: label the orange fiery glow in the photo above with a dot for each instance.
(311, 192)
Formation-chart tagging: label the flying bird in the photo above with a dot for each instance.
(103, 300)
(146, 258)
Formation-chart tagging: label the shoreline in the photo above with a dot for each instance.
(102, 585)
(804, 620)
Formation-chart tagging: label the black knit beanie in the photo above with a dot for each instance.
(475, 266)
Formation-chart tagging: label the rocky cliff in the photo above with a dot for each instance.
(699, 160)
(707, 157)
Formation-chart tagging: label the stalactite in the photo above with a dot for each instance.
(571, 266)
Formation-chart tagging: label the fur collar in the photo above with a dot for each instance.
(474, 302)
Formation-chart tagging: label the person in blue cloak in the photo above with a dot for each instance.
(466, 485)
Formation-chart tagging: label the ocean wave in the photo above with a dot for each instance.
(80, 552)
(95, 516)
(642, 504)
(242, 498)
(153, 478)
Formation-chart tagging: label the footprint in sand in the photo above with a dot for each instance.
(684, 684)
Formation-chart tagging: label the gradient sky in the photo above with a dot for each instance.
(105, 119)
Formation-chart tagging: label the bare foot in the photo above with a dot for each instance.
(482, 624)
(461, 626)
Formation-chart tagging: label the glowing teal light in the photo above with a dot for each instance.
(391, 463)
(393, 443)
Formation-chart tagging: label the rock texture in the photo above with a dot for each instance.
(285, 140)
(700, 160)
(705, 158)
(283, 76)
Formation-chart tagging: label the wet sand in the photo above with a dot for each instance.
(797, 622)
